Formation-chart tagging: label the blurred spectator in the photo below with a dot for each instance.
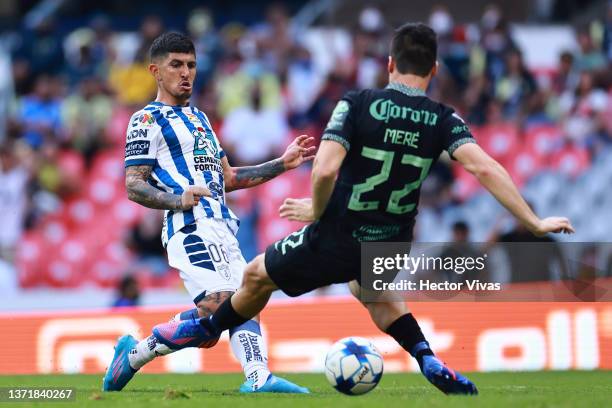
(40, 113)
(590, 57)
(240, 71)
(86, 115)
(460, 247)
(144, 240)
(607, 40)
(584, 110)
(495, 42)
(128, 292)
(133, 83)
(254, 134)
(516, 86)
(532, 258)
(304, 83)
(200, 26)
(275, 38)
(81, 61)
(40, 51)
(566, 77)
(14, 178)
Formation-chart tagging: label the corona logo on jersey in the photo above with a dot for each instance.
(470, 336)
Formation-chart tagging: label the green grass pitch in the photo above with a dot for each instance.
(533, 389)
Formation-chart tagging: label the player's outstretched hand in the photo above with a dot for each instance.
(298, 152)
(553, 224)
(297, 209)
(192, 195)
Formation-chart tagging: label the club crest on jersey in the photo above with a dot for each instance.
(224, 271)
(203, 146)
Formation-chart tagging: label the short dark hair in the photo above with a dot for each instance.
(414, 47)
(171, 42)
(461, 226)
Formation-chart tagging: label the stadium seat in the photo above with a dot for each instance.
(499, 140)
(465, 184)
(543, 141)
(295, 184)
(571, 160)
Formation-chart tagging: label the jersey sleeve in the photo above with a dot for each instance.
(341, 125)
(142, 140)
(455, 133)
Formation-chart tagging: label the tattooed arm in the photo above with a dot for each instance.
(249, 176)
(141, 192)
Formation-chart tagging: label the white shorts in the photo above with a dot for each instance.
(208, 257)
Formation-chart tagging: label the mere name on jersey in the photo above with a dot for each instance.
(179, 144)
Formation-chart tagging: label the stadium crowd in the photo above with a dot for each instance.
(69, 97)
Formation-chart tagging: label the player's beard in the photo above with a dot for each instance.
(182, 96)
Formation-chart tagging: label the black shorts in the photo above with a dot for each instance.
(317, 255)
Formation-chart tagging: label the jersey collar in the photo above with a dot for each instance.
(161, 104)
(407, 90)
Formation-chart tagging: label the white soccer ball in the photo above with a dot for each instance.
(353, 366)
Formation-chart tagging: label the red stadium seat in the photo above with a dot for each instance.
(295, 184)
(524, 164)
(110, 264)
(543, 141)
(30, 259)
(115, 131)
(465, 185)
(572, 160)
(499, 140)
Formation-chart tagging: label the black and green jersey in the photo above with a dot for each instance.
(393, 136)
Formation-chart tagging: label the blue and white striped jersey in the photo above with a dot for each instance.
(178, 141)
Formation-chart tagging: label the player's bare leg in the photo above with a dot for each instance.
(391, 315)
(256, 289)
(243, 305)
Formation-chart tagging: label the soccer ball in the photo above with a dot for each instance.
(353, 366)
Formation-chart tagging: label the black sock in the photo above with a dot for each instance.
(406, 331)
(225, 317)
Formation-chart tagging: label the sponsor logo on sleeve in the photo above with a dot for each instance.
(137, 148)
(137, 134)
(145, 119)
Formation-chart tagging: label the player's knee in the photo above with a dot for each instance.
(256, 277)
(355, 289)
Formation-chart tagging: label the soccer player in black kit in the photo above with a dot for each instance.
(377, 149)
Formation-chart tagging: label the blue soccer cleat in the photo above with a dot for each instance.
(181, 334)
(445, 379)
(274, 384)
(119, 372)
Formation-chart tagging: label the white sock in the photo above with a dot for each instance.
(146, 350)
(250, 349)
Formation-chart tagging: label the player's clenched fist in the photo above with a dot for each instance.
(192, 195)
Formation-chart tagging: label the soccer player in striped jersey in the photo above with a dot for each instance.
(174, 162)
